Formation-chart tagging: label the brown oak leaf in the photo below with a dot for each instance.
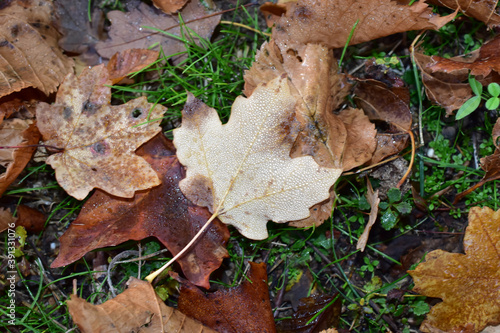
(467, 283)
(29, 54)
(138, 29)
(245, 308)
(258, 181)
(162, 212)
(98, 140)
(137, 309)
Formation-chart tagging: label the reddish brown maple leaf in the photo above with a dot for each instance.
(162, 212)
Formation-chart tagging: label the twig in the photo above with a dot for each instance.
(112, 264)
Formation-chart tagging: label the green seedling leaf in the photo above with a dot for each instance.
(492, 103)
(476, 86)
(394, 195)
(468, 107)
(383, 205)
(388, 220)
(420, 308)
(403, 207)
(494, 89)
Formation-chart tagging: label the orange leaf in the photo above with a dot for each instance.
(162, 212)
(467, 283)
(138, 309)
(98, 140)
(124, 63)
(169, 6)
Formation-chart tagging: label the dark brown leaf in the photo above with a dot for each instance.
(31, 219)
(245, 308)
(162, 212)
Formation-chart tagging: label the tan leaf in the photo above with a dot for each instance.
(138, 309)
(29, 54)
(169, 6)
(467, 283)
(258, 180)
(98, 140)
(373, 200)
(133, 29)
(482, 10)
(331, 22)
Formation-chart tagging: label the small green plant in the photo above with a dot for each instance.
(491, 98)
(393, 209)
(368, 267)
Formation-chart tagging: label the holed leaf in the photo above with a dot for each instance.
(242, 170)
(98, 140)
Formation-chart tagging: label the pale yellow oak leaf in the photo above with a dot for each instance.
(242, 171)
(98, 140)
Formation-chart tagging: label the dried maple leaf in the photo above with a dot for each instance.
(162, 212)
(245, 308)
(29, 55)
(130, 30)
(137, 309)
(98, 140)
(482, 10)
(132, 60)
(331, 22)
(467, 283)
(258, 180)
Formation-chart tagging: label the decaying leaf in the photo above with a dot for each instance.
(29, 55)
(132, 60)
(388, 105)
(138, 29)
(482, 10)
(162, 212)
(138, 309)
(245, 308)
(16, 132)
(467, 283)
(258, 180)
(331, 22)
(98, 140)
(31, 219)
(169, 6)
(373, 200)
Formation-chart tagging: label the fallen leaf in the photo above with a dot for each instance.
(79, 34)
(482, 10)
(162, 212)
(98, 140)
(259, 181)
(29, 55)
(314, 313)
(169, 6)
(138, 29)
(245, 308)
(16, 132)
(31, 219)
(388, 105)
(330, 22)
(467, 283)
(373, 200)
(137, 309)
(273, 11)
(129, 61)
(6, 219)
